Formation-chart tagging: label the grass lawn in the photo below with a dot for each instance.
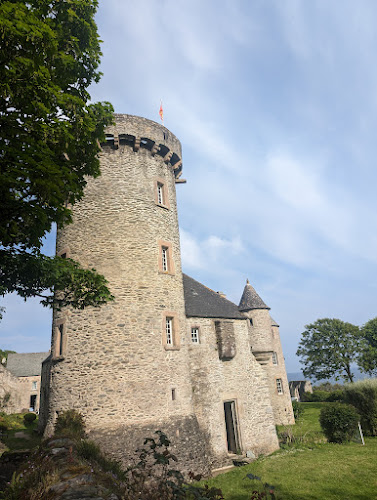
(317, 471)
(19, 436)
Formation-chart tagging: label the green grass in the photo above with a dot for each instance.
(307, 428)
(15, 424)
(317, 471)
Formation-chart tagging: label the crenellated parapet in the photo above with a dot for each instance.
(139, 133)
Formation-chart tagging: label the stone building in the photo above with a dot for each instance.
(168, 353)
(22, 380)
(297, 388)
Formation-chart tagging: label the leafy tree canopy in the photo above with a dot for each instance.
(327, 349)
(368, 358)
(49, 142)
(4, 355)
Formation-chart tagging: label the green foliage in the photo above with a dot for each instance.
(5, 400)
(298, 410)
(49, 142)
(4, 355)
(29, 418)
(90, 451)
(70, 423)
(338, 422)
(368, 358)
(363, 396)
(315, 396)
(328, 347)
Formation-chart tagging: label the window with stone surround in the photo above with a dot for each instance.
(34, 386)
(279, 385)
(274, 358)
(195, 335)
(161, 194)
(165, 258)
(170, 332)
(60, 339)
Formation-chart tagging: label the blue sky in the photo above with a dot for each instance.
(275, 105)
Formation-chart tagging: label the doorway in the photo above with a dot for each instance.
(33, 402)
(231, 424)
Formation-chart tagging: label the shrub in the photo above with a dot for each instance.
(337, 395)
(70, 423)
(29, 418)
(315, 397)
(298, 410)
(363, 395)
(338, 422)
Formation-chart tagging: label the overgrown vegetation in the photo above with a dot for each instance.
(339, 422)
(363, 396)
(152, 476)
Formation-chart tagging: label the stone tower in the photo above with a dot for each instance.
(125, 366)
(266, 347)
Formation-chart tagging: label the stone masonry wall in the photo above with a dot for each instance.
(264, 337)
(9, 384)
(116, 368)
(240, 379)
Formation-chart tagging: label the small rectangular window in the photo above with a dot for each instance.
(60, 340)
(160, 193)
(274, 358)
(251, 321)
(279, 385)
(195, 335)
(165, 259)
(169, 331)
(173, 395)
(34, 386)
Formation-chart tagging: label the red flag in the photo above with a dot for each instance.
(161, 113)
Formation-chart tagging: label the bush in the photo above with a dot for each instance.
(29, 418)
(298, 410)
(315, 397)
(70, 423)
(337, 395)
(338, 422)
(363, 395)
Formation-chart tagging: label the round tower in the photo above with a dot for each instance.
(124, 365)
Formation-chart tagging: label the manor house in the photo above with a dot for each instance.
(168, 353)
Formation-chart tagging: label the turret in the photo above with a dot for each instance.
(266, 347)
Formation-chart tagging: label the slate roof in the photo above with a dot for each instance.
(26, 364)
(250, 299)
(202, 302)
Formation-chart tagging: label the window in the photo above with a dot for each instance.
(34, 386)
(173, 395)
(169, 330)
(60, 339)
(195, 335)
(279, 385)
(274, 358)
(251, 321)
(165, 260)
(161, 194)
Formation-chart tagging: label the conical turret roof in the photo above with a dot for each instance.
(250, 299)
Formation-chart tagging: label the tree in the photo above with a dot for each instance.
(4, 356)
(328, 348)
(49, 143)
(368, 357)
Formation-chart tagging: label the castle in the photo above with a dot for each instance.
(168, 353)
